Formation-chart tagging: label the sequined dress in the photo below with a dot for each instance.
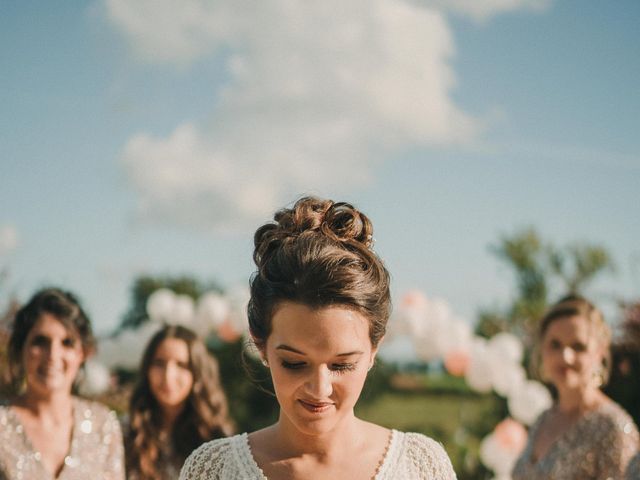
(95, 452)
(597, 447)
(409, 456)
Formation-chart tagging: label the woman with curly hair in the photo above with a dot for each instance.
(318, 311)
(177, 405)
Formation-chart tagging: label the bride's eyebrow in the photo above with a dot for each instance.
(289, 349)
(293, 350)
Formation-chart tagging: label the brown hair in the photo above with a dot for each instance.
(570, 306)
(204, 417)
(318, 253)
(65, 307)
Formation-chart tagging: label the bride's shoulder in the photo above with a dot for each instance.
(426, 455)
(212, 458)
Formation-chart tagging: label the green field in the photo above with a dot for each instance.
(448, 413)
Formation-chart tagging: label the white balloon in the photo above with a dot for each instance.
(458, 337)
(97, 378)
(507, 346)
(429, 346)
(183, 310)
(529, 401)
(495, 457)
(439, 312)
(417, 323)
(161, 305)
(479, 374)
(212, 310)
(507, 377)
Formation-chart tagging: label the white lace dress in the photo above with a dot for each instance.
(409, 456)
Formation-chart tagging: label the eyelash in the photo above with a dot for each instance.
(336, 367)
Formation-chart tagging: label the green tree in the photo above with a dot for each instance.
(539, 267)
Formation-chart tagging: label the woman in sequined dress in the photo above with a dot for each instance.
(46, 432)
(177, 405)
(584, 435)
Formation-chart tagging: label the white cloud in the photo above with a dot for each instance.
(482, 10)
(9, 239)
(319, 93)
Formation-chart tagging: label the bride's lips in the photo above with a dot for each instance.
(315, 407)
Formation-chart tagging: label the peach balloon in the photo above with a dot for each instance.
(511, 435)
(456, 362)
(227, 333)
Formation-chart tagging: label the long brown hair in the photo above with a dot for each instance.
(204, 417)
(318, 253)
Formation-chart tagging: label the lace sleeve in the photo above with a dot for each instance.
(428, 458)
(617, 445)
(210, 461)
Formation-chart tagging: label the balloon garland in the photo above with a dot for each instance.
(486, 365)
(436, 334)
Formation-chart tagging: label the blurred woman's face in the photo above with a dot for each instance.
(571, 354)
(170, 376)
(51, 356)
(319, 360)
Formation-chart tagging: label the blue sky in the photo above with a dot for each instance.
(154, 141)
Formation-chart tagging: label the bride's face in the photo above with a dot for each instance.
(319, 360)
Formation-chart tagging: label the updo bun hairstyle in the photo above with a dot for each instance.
(318, 253)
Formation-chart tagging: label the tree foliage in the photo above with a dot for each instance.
(540, 268)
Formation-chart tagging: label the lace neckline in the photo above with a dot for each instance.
(385, 467)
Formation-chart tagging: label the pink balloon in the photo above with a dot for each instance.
(414, 299)
(227, 332)
(511, 435)
(456, 362)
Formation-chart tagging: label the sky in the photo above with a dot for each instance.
(153, 137)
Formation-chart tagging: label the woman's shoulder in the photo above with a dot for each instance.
(423, 454)
(8, 421)
(218, 459)
(96, 412)
(611, 416)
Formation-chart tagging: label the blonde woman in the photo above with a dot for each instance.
(584, 435)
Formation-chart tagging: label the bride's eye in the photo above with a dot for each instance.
(293, 365)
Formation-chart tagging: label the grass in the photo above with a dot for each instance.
(443, 409)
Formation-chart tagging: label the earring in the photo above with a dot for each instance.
(598, 376)
(264, 362)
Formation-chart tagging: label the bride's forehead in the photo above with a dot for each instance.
(333, 323)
